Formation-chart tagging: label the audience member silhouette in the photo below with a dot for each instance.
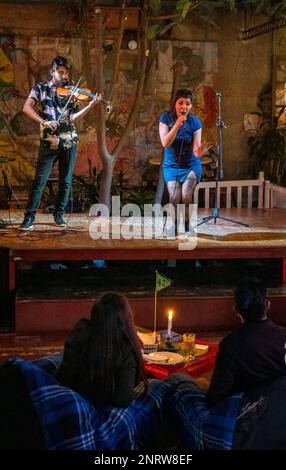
(102, 356)
(255, 352)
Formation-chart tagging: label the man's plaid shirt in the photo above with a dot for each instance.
(50, 108)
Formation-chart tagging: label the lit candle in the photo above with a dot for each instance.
(170, 316)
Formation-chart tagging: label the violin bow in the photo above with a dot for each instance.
(68, 101)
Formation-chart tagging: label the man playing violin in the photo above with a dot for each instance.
(58, 138)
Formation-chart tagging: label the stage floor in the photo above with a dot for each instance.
(265, 237)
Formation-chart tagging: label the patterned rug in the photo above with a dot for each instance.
(222, 229)
(28, 347)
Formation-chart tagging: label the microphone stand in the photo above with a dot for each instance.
(219, 169)
(9, 193)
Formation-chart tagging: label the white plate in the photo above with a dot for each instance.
(163, 357)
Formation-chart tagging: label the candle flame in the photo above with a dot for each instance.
(170, 314)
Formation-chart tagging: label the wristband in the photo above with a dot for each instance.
(42, 121)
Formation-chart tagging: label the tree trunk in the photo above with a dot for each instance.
(108, 158)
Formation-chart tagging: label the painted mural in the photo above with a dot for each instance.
(194, 65)
(24, 61)
(279, 78)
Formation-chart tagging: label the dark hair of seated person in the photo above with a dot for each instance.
(250, 298)
(102, 356)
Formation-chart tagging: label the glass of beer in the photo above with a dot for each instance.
(189, 345)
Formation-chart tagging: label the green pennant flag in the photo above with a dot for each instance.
(162, 281)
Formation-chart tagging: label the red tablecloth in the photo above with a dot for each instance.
(200, 365)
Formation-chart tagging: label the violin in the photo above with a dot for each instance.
(81, 94)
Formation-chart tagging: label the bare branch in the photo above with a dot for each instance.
(140, 84)
(164, 17)
(176, 15)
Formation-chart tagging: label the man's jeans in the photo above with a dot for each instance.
(45, 162)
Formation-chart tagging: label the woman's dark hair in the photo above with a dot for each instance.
(250, 298)
(112, 331)
(59, 61)
(181, 93)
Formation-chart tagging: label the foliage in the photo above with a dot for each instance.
(267, 146)
(271, 8)
(140, 197)
(113, 128)
(178, 13)
(205, 9)
(86, 189)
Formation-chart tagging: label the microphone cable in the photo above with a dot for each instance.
(9, 193)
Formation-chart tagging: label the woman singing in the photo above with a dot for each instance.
(180, 133)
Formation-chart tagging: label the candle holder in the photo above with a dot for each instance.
(168, 340)
(170, 345)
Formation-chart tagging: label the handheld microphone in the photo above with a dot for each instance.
(183, 113)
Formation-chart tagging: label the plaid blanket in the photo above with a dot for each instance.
(71, 422)
(49, 364)
(196, 426)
